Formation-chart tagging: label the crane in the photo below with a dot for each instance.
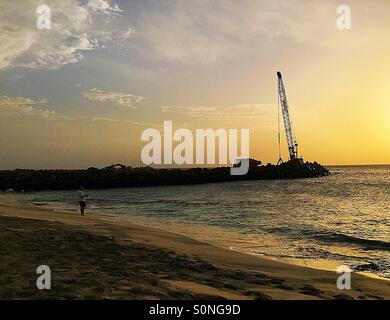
(291, 140)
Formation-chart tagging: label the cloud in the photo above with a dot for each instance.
(189, 109)
(118, 98)
(26, 107)
(196, 32)
(102, 6)
(202, 32)
(16, 106)
(76, 27)
(102, 119)
(15, 101)
(243, 112)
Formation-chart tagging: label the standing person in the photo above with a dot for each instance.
(82, 201)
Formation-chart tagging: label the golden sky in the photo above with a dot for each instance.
(80, 94)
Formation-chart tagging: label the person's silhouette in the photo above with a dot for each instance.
(82, 200)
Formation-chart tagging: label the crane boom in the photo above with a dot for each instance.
(291, 141)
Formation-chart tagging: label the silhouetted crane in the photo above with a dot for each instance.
(291, 140)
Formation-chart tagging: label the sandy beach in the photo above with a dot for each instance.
(102, 257)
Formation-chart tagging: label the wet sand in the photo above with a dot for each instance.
(103, 257)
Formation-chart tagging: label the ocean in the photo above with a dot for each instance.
(342, 219)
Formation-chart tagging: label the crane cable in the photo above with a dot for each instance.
(280, 154)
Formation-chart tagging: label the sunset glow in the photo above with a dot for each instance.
(84, 91)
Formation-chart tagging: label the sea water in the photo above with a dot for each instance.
(322, 222)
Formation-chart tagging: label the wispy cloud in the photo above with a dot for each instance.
(103, 6)
(202, 32)
(243, 112)
(16, 107)
(119, 98)
(15, 101)
(76, 27)
(11, 106)
(206, 32)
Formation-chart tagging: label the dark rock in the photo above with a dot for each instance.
(120, 176)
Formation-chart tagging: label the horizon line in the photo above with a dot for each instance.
(184, 167)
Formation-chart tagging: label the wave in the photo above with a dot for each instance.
(334, 237)
(343, 238)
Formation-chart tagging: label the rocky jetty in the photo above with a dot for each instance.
(120, 176)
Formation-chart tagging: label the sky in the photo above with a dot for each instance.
(81, 94)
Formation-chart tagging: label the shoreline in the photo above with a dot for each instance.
(205, 270)
(216, 236)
